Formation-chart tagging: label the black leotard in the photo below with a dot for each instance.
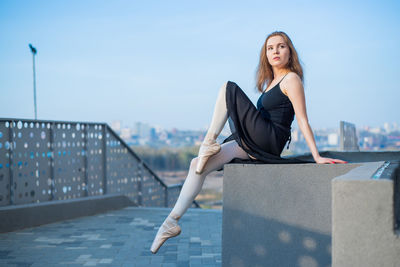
(275, 106)
(263, 131)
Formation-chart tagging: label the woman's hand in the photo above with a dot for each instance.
(322, 160)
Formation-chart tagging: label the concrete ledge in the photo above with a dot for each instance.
(363, 218)
(17, 217)
(356, 157)
(278, 214)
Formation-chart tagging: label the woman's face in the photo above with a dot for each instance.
(278, 52)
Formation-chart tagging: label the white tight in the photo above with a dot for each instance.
(229, 150)
(220, 114)
(194, 182)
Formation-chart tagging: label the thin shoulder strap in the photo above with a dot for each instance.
(265, 90)
(284, 76)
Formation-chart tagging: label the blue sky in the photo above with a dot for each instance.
(162, 62)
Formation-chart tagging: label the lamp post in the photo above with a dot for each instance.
(34, 51)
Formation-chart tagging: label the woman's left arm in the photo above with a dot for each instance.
(295, 91)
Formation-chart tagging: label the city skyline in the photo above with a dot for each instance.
(386, 137)
(163, 63)
(386, 126)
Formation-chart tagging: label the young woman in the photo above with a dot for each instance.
(258, 133)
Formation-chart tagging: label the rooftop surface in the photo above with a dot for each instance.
(116, 238)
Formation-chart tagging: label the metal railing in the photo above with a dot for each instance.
(43, 160)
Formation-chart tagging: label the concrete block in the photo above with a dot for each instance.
(278, 214)
(364, 220)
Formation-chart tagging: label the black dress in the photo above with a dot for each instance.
(261, 131)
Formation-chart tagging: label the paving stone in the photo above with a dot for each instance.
(195, 260)
(157, 259)
(183, 263)
(117, 238)
(207, 260)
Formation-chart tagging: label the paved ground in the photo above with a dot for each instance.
(116, 238)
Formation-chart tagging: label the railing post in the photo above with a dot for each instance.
(10, 161)
(85, 158)
(51, 137)
(140, 178)
(104, 139)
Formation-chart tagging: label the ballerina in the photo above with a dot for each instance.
(258, 133)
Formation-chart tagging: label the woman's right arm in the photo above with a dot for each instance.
(295, 91)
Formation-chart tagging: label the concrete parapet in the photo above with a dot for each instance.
(363, 216)
(278, 214)
(281, 214)
(16, 217)
(355, 156)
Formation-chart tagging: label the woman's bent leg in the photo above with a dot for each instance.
(190, 189)
(209, 146)
(220, 114)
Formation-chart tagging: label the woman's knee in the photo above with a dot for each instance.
(223, 88)
(193, 163)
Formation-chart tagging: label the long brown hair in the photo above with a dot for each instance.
(264, 74)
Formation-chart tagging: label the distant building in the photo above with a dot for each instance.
(387, 127)
(125, 133)
(143, 130)
(116, 126)
(333, 139)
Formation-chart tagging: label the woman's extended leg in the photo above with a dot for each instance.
(194, 182)
(209, 146)
(192, 187)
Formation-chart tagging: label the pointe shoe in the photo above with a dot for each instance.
(208, 148)
(167, 230)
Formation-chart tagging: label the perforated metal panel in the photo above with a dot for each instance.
(153, 193)
(123, 174)
(4, 164)
(52, 160)
(69, 160)
(173, 194)
(31, 162)
(95, 159)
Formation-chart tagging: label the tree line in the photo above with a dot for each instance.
(166, 158)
